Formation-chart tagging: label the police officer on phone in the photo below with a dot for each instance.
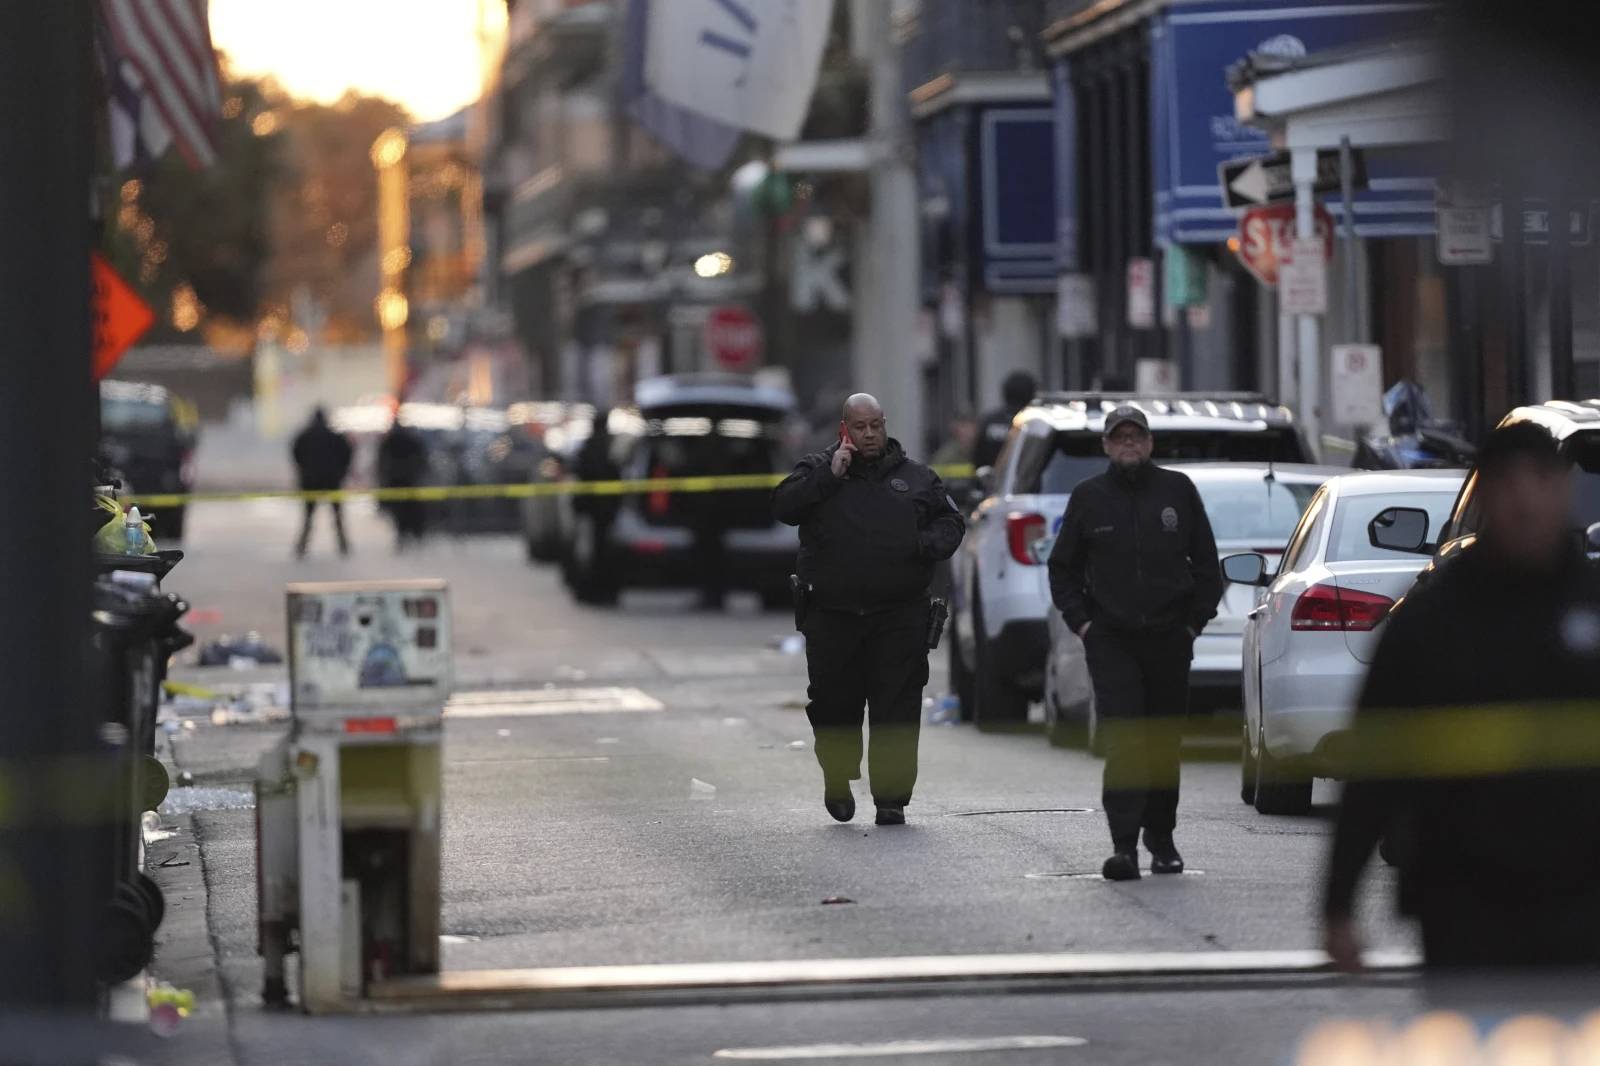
(873, 523)
(1135, 574)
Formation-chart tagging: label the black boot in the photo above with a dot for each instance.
(1164, 857)
(1122, 866)
(841, 806)
(891, 814)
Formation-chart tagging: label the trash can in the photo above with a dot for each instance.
(133, 632)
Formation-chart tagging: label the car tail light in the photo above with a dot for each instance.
(660, 500)
(1332, 608)
(1022, 530)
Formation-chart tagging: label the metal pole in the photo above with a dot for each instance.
(47, 857)
(885, 365)
(1352, 306)
(1563, 376)
(1304, 166)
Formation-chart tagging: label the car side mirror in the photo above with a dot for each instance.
(1247, 569)
(985, 476)
(1040, 550)
(1591, 539)
(1400, 529)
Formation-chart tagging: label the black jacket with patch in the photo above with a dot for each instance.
(868, 540)
(1136, 553)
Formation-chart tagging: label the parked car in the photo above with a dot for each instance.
(1253, 507)
(690, 425)
(148, 437)
(999, 636)
(1575, 427)
(1316, 622)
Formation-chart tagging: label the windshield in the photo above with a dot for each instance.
(1076, 456)
(1349, 540)
(131, 416)
(1261, 512)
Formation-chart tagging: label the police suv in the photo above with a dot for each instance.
(999, 639)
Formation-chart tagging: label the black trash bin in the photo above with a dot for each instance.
(134, 632)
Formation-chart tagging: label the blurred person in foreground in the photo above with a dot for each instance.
(402, 463)
(873, 522)
(1134, 572)
(1476, 745)
(1017, 392)
(322, 461)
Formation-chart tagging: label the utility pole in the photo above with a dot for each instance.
(47, 730)
(887, 261)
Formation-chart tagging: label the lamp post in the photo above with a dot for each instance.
(394, 251)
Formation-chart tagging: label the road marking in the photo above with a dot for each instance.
(1025, 810)
(890, 1048)
(563, 988)
(532, 703)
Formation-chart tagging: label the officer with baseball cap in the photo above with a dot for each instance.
(1135, 574)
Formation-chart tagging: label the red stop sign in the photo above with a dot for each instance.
(1266, 237)
(733, 338)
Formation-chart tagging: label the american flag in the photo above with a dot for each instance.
(161, 77)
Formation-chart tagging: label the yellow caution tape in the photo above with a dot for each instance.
(180, 688)
(440, 493)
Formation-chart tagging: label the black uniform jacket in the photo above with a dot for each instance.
(1136, 553)
(1476, 742)
(868, 540)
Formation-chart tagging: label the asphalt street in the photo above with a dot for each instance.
(640, 789)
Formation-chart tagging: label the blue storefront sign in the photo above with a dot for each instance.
(1193, 129)
(987, 178)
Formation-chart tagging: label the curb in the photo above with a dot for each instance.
(185, 955)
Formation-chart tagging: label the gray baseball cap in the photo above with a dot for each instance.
(1123, 414)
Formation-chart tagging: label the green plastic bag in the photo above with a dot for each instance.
(111, 539)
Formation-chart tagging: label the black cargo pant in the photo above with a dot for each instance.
(878, 661)
(1141, 694)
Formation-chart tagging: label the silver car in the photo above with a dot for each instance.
(1252, 507)
(1316, 622)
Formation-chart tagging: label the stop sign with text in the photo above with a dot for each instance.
(733, 338)
(1266, 239)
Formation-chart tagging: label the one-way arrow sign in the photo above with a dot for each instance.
(1269, 178)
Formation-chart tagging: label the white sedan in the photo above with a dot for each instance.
(1313, 631)
(1252, 506)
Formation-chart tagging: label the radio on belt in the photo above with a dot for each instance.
(348, 806)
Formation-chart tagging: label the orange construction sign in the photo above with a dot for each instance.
(120, 316)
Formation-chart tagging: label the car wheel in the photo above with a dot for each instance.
(1000, 704)
(1278, 791)
(1247, 766)
(960, 676)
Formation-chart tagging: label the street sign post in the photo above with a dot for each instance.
(1303, 278)
(1268, 179)
(119, 316)
(733, 338)
(1266, 235)
(1357, 385)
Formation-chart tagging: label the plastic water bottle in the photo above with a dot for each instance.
(133, 532)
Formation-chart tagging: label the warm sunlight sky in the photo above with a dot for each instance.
(422, 54)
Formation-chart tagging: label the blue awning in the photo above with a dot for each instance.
(1193, 129)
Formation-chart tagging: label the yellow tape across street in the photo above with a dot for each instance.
(524, 491)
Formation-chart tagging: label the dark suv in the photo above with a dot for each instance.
(148, 436)
(689, 426)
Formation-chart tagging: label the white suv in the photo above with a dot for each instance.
(999, 639)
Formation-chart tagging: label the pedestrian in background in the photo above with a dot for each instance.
(873, 523)
(1018, 391)
(1477, 737)
(1135, 574)
(322, 461)
(402, 464)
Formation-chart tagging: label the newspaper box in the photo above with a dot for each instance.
(348, 806)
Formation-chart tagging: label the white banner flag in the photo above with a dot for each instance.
(747, 63)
